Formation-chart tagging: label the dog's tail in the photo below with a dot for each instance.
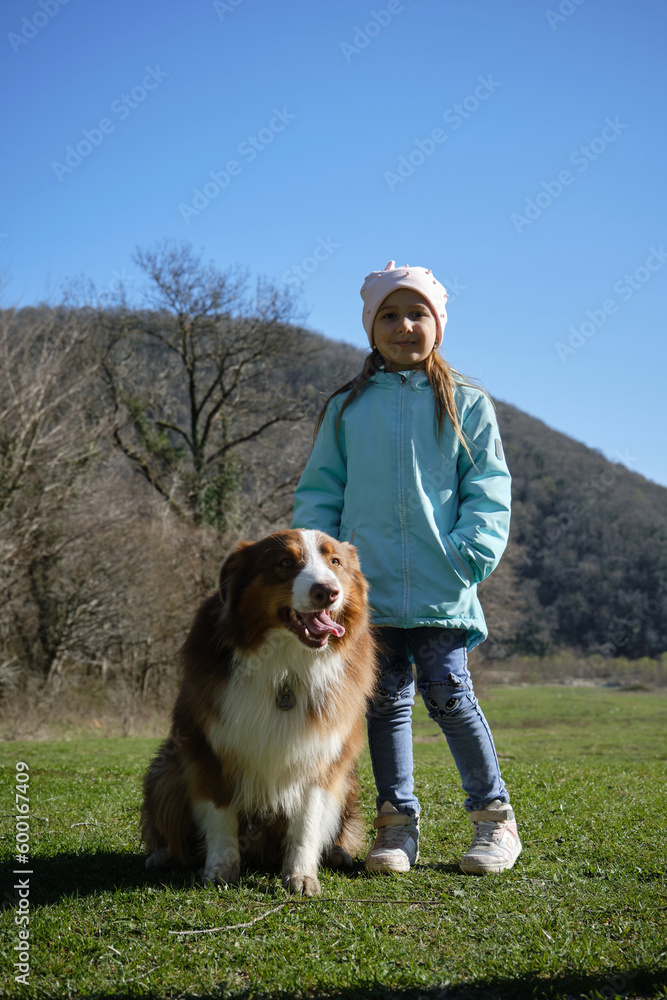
(352, 833)
(166, 816)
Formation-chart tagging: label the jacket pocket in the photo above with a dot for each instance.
(457, 562)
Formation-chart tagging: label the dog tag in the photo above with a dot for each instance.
(285, 698)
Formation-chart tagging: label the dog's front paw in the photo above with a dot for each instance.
(337, 857)
(221, 874)
(302, 885)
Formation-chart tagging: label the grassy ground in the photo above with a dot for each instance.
(583, 913)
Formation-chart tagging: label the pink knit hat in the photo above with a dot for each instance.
(379, 284)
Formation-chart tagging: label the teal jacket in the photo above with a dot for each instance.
(428, 523)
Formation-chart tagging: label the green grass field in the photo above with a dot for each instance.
(582, 914)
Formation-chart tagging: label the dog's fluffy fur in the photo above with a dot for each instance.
(240, 778)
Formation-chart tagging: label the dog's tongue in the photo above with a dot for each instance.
(319, 623)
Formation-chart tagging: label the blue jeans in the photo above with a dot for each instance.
(443, 680)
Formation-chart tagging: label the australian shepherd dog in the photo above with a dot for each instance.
(259, 767)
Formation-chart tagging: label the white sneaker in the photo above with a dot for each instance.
(495, 844)
(396, 846)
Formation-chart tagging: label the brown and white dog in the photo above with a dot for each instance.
(269, 720)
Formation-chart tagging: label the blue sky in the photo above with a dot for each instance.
(518, 150)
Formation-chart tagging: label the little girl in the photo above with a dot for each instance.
(408, 466)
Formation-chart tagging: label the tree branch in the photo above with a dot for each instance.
(147, 472)
(249, 437)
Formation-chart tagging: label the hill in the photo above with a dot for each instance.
(589, 542)
(110, 533)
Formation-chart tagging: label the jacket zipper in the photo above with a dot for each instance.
(401, 498)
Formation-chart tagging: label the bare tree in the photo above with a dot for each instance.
(197, 377)
(44, 373)
(46, 446)
(95, 587)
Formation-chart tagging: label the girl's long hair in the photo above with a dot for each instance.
(439, 373)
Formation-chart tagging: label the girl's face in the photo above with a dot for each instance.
(404, 330)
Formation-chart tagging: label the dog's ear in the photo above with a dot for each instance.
(353, 567)
(230, 569)
(352, 556)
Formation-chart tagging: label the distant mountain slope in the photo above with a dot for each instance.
(589, 542)
(99, 574)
